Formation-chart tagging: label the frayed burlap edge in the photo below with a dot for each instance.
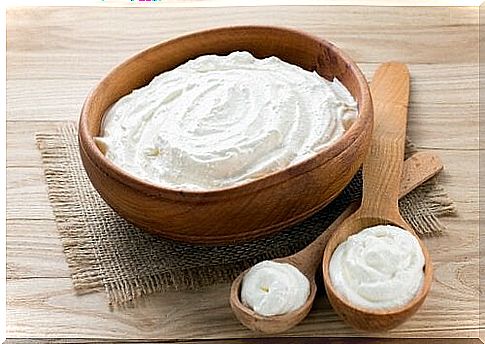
(433, 197)
(78, 246)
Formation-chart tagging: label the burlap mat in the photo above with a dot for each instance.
(105, 252)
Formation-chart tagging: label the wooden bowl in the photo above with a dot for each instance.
(242, 212)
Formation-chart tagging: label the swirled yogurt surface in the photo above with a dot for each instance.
(220, 121)
(379, 268)
(271, 288)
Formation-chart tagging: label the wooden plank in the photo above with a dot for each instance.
(22, 149)
(36, 306)
(238, 3)
(27, 194)
(54, 100)
(34, 250)
(266, 340)
(80, 65)
(394, 33)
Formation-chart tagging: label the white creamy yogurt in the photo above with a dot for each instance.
(378, 268)
(220, 121)
(271, 288)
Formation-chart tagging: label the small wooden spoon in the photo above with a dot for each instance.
(417, 169)
(381, 176)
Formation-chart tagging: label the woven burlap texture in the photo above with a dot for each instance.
(106, 252)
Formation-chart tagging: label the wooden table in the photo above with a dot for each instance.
(54, 57)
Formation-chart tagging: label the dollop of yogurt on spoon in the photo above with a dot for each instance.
(379, 268)
(270, 288)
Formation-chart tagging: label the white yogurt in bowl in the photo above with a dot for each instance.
(220, 121)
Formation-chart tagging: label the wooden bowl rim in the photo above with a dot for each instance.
(86, 141)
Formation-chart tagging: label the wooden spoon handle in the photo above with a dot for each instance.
(416, 170)
(383, 164)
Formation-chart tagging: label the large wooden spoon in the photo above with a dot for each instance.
(417, 169)
(381, 176)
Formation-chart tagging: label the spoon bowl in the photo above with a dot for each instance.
(365, 319)
(272, 324)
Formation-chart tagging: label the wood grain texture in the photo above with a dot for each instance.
(238, 3)
(382, 168)
(404, 34)
(269, 340)
(56, 56)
